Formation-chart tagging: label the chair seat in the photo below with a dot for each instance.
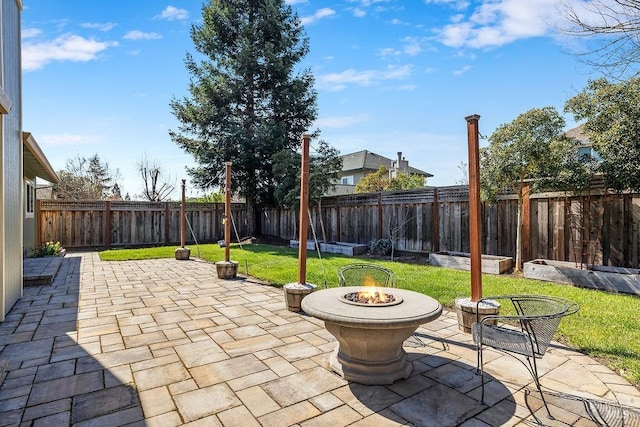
(503, 338)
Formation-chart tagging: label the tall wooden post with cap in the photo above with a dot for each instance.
(475, 217)
(227, 269)
(304, 207)
(183, 253)
(469, 310)
(227, 211)
(295, 292)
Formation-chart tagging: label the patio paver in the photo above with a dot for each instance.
(165, 342)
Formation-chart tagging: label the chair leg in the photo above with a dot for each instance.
(534, 371)
(480, 367)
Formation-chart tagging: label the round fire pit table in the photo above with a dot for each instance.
(370, 336)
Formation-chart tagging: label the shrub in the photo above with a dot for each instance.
(380, 247)
(49, 248)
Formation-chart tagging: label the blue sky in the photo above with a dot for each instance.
(391, 75)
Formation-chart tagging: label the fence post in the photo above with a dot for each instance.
(107, 227)
(167, 227)
(526, 224)
(38, 223)
(379, 215)
(436, 221)
(338, 231)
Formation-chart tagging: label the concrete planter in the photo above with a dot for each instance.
(344, 248)
(493, 264)
(227, 269)
(295, 292)
(466, 312)
(612, 279)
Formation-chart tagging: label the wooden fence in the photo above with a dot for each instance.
(601, 228)
(104, 224)
(598, 228)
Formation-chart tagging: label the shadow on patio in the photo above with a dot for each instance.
(165, 342)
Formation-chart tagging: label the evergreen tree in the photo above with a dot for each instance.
(247, 101)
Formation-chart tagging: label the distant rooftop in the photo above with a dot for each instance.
(367, 160)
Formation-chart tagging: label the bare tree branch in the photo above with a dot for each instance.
(156, 188)
(613, 30)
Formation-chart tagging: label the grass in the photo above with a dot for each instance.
(607, 327)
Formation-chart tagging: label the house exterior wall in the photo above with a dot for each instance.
(10, 158)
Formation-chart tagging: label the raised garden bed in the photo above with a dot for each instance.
(613, 279)
(344, 248)
(462, 261)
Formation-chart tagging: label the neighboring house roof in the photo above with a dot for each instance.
(366, 160)
(44, 192)
(35, 161)
(578, 134)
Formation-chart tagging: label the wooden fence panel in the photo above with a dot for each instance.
(609, 233)
(83, 224)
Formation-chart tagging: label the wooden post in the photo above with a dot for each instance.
(107, 226)
(167, 227)
(475, 228)
(338, 226)
(379, 215)
(436, 221)
(526, 224)
(304, 206)
(183, 212)
(38, 223)
(227, 211)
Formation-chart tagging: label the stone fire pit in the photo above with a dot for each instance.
(370, 336)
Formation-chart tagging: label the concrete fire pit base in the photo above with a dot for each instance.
(370, 338)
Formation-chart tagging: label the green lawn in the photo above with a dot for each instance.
(607, 327)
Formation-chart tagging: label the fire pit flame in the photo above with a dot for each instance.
(371, 298)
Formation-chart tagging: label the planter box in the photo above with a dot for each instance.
(462, 261)
(613, 279)
(294, 293)
(227, 269)
(344, 248)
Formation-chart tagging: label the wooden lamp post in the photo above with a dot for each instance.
(467, 308)
(227, 269)
(295, 292)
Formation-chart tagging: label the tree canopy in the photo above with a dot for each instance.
(531, 152)
(87, 179)
(324, 166)
(247, 101)
(381, 181)
(612, 122)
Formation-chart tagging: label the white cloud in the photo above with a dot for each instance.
(412, 46)
(172, 13)
(97, 26)
(340, 122)
(462, 70)
(68, 139)
(359, 13)
(500, 22)
(339, 81)
(139, 35)
(389, 51)
(456, 4)
(30, 32)
(320, 13)
(295, 1)
(68, 47)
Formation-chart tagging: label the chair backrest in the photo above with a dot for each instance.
(366, 275)
(541, 316)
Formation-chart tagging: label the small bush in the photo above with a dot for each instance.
(380, 247)
(49, 248)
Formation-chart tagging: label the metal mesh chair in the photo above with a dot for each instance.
(528, 332)
(366, 275)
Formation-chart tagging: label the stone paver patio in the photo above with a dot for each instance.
(164, 343)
